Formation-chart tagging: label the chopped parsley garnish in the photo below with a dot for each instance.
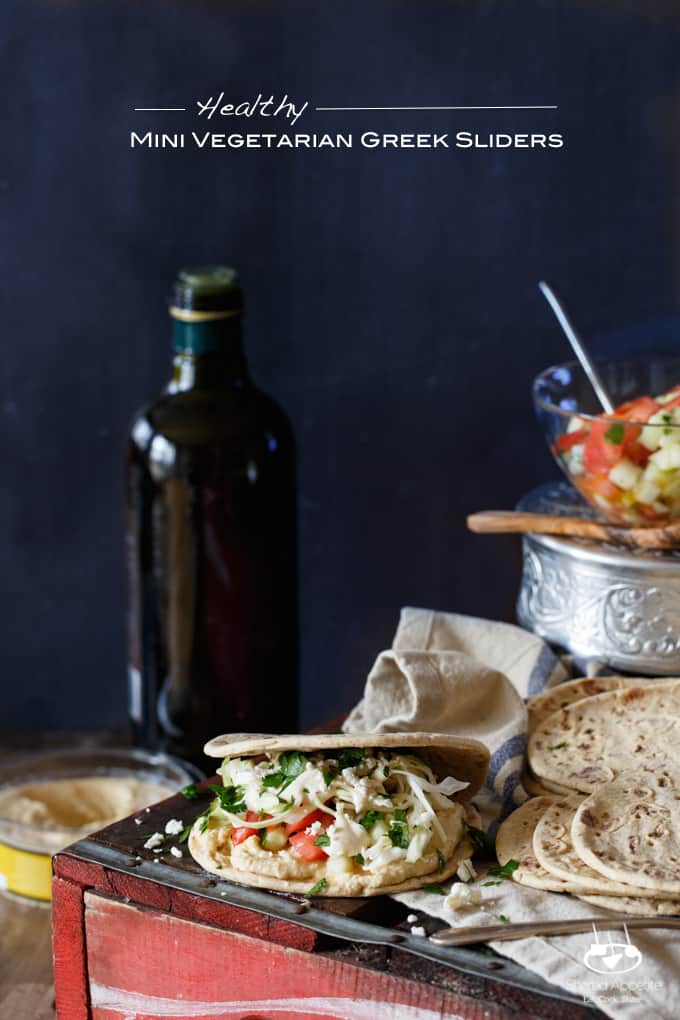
(329, 775)
(557, 747)
(615, 433)
(230, 797)
(491, 883)
(441, 860)
(506, 871)
(481, 843)
(185, 833)
(292, 764)
(386, 770)
(359, 859)
(350, 757)
(398, 835)
(667, 418)
(205, 822)
(369, 820)
(434, 887)
(399, 815)
(319, 887)
(503, 919)
(323, 839)
(276, 779)
(190, 792)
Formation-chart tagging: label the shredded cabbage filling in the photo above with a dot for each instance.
(378, 806)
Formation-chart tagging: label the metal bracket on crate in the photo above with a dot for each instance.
(481, 962)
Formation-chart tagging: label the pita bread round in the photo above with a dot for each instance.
(592, 741)
(629, 831)
(514, 841)
(541, 788)
(555, 852)
(555, 698)
(466, 760)
(651, 907)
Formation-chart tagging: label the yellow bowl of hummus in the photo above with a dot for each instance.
(50, 801)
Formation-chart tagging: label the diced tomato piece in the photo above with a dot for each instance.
(599, 485)
(303, 823)
(242, 832)
(303, 845)
(600, 453)
(637, 410)
(569, 439)
(649, 513)
(638, 453)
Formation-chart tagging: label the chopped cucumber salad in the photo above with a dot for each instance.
(627, 464)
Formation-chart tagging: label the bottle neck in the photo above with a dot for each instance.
(208, 355)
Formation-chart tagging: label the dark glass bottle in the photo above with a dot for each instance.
(211, 539)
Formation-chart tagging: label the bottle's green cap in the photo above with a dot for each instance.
(207, 289)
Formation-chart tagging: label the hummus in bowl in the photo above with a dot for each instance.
(53, 800)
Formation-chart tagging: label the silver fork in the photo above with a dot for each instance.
(462, 936)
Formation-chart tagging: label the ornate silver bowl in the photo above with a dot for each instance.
(604, 604)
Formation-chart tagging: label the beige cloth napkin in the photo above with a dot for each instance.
(458, 674)
(649, 992)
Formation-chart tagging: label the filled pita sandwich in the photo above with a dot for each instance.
(339, 814)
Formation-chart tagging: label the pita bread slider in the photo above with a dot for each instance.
(339, 814)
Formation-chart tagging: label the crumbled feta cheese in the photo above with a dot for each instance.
(412, 918)
(348, 838)
(138, 821)
(418, 929)
(174, 827)
(466, 871)
(138, 858)
(154, 840)
(314, 829)
(148, 810)
(175, 851)
(463, 897)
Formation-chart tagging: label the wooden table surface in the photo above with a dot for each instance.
(26, 991)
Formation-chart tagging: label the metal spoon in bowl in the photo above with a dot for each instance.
(577, 346)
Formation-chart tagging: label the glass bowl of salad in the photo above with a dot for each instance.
(625, 464)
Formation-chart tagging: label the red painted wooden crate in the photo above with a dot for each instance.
(139, 939)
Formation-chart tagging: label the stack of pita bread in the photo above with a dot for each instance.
(604, 819)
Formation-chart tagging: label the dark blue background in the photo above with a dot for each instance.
(392, 302)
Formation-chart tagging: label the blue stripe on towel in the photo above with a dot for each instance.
(512, 748)
(516, 745)
(544, 667)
